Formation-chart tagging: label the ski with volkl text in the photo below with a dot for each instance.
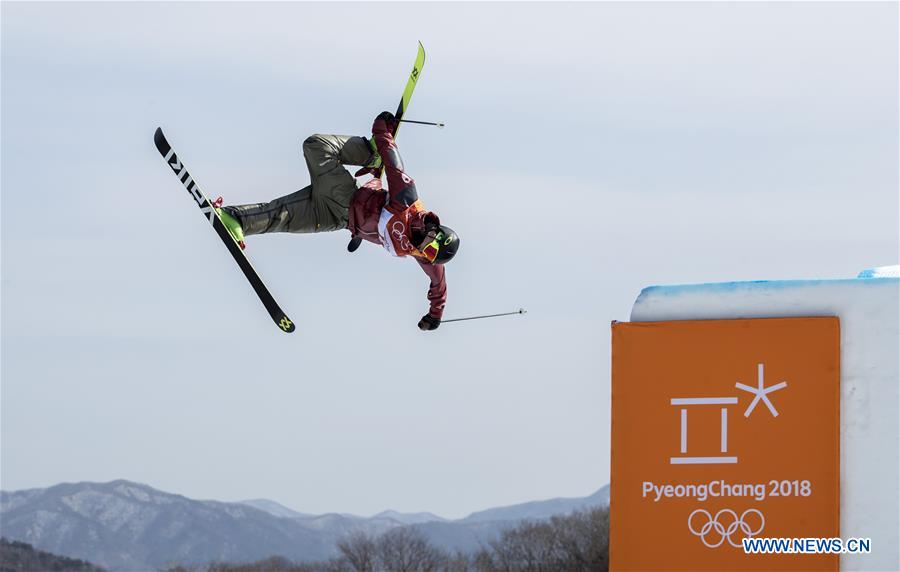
(410, 87)
(208, 209)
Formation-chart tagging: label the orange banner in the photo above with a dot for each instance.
(723, 430)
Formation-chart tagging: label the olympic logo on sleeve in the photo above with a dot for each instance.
(715, 530)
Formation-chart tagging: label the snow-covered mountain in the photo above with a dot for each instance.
(410, 517)
(127, 526)
(536, 510)
(274, 508)
(472, 532)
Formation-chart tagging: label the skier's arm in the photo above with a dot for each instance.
(437, 290)
(401, 187)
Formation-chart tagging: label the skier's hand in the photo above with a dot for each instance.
(429, 322)
(390, 122)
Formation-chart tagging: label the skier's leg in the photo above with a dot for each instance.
(290, 213)
(319, 207)
(332, 185)
(323, 153)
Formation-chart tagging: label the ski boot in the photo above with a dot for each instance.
(232, 224)
(374, 164)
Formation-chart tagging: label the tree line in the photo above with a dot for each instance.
(578, 542)
(23, 557)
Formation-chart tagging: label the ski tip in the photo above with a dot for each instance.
(286, 325)
(160, 140)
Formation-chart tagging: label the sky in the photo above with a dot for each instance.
(590, 150)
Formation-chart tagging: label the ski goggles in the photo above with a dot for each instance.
(430, 251)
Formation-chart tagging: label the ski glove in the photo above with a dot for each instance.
(389, 121)
(390, 124)
(429, 322)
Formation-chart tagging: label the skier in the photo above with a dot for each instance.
(394, 219)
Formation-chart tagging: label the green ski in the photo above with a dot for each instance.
(410, 85)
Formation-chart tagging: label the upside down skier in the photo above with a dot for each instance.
(394, 219)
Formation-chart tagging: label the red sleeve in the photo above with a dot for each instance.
(437, 291)
(401, 187)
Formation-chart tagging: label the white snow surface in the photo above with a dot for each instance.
(869, 312)
(881, 272)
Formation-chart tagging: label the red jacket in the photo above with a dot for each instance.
(389, 218)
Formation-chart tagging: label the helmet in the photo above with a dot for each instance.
(444, 246)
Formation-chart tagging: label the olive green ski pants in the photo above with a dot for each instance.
(322, 206)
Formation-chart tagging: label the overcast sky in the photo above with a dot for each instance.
(590, 150)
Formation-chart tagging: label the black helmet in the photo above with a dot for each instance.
(444, 246)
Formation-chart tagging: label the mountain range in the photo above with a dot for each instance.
(123, 525)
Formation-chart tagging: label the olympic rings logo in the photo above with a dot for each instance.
(398, 229)
(723, 528)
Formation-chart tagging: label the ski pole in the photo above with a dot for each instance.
(520, 311)
(440, 125)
